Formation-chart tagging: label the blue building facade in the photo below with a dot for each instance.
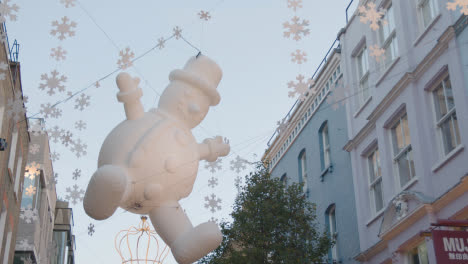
(309, 148)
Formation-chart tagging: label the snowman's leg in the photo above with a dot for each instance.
(188, 244)
(105, 191)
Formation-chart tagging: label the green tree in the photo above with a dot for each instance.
(272, 223)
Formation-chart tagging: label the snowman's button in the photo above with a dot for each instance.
(181, 137)
(171, 164)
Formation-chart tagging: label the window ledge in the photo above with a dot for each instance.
(409, 184)
(376, 216)
(329, 169)
(361, 108)
(448, 157)
(428, 28)
(380, 80)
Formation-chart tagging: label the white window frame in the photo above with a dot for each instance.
(421, 249)
(433, 11)
(3, 223)
(405, 152)
(333, 232)
(12, 154)
(450, 117)
(362, 64)
(326, 146)
(388, 37)
(303, 160)
(376, 179)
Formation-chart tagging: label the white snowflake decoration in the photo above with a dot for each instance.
(15, 108)
(32, 170)
(50, 111)
(68, 3)
(28, 214)
(294, 4)
(214, 166)
(301, 88)
(79, 148)
(58, 53)
(52, 83)
(66, 138)
(55, 133)
(82, 101)
(214, 220)
(23, 245)
(204, 15)
(27, 260)
(161, 42)
(238, 164)
(75, 194)
(377, 52)
(54, 156)
(76, 174)
(213, 203)
(299, 57)
(30, 190)
(7, 9)
(126, 56)
(63, 28)
(36, 128)
(372, 15)
(237, 183)
(91, 229)
(80, 125)
(34, 148)
(55, 178)
(296, 28)
(337, 97)
(213, 182)
(177, 32)
(282, 126)
(462, 3)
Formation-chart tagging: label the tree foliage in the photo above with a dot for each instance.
(271, 223)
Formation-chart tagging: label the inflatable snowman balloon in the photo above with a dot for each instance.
(150, 161)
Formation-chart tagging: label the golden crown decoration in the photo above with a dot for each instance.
(140, 244)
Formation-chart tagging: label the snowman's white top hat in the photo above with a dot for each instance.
(202, 73)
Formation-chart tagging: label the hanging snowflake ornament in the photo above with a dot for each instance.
(301, 88)
(79, 148)
(58, 53)
(36, 128)
(377, 52)
(50, 111)
(177, 32)
(55, 134)
(63, 29)
(213, 182)
(54, 156)
(126, 56)
(463, 4)
(55, 178)
(91, 229)
(204, 15)
(294, 4)
(32, 170)
(372, 15)
(76, 174)
(296, 28)
(237, 183)
(213, 203)
(28, 214)
(68, 3)
(23, 245)
(53, 83)
(238, 164)
(214, 220)
(80, 125)
(67, 138)
(30, 190)
(7, 9)
(161, 42)
(75, 194)
(282, 126)
(337, 96)
(34, 148)
(82, 101)
(15, 108)
(214, 166)
(298, 56)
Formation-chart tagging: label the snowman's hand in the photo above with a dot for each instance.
(217, 147)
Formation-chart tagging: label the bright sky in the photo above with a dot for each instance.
(244, 37)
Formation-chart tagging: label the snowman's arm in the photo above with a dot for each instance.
(213, 148)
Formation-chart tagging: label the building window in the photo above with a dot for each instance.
(12, 155)
(3, 227)
(446, 117)
(32, 198)
(402, 151)
(324, 146)
(363, 75)
(388, 39)
(331, 222)
(284, 180)
(375, 181)
(303, 170)
(418, 255)
(427, 11)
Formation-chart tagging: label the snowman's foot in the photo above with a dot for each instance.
(105, 191)
(196, 243)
